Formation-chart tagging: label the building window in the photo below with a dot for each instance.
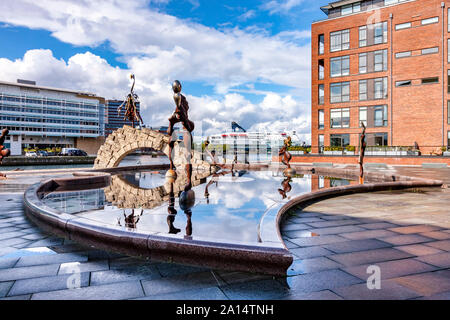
(362, 90)
(363, 116)
(340, 40)
(380, 116)
(380, 60)
(387, 2)
(321, 44)
(448, 51)
(362, 62)
(339, 140)
(430, 80)
(448, 139)
(340, 92)
(321, 143)
(340, 118)
(402, 26)
(321, 94)
(448, 112)
(321, 119)
(340, 66)
(370, 89)
(376, 139)
(373, 34)
(430, 20)
(321, 69)
(403, 54)
(374, 116)
(363, 36)
(351, 8)
(430, 50)
(403, 83)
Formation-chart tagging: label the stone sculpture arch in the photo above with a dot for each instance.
(123, 194)
(126, 140)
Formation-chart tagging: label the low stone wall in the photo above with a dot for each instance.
(33, 161)
(353, 159)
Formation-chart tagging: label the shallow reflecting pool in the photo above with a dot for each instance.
(228, 205)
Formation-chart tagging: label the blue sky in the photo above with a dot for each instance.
(245, 61)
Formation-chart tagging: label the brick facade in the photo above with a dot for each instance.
(416, 112)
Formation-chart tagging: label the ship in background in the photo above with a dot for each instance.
(259, 142)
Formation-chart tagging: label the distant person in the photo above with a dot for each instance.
(3, 151)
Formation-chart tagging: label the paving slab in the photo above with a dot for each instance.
(310, 252)
(418, 249)
(79, 267)
(316, 241)
(28, 272)
(179, 283)
(389, 290)
(318, 281)
(442, 245)
(415, 229)
(368, 234)
(256, 290)
(213, 293)
(115, 291)
(337, 230)
(441, 260)
(369, 256)
(5, 287)
(311, 265)
(392, 269)
(438, 235)
(427, 284)
(6, 263)
(44, 284)
(50, 259)
(124, 274)
(405, 239)
(319, 295)
(356, 245)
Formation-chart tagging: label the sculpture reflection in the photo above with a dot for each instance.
(286, 184)
(131, 220)
(172, 212)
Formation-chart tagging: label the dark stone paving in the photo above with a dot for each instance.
(406, 234)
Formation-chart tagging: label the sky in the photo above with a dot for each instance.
(238, 60)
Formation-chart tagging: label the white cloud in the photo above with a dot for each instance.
(159, 48)
(280, 6)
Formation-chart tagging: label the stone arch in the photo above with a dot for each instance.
(126, 140)
(123, 194)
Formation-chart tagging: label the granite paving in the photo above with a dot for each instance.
(406, 234)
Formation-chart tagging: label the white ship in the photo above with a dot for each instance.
(241, 139)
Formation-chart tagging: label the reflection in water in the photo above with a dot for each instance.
(286, 187)
(131, 220)
(231, 209)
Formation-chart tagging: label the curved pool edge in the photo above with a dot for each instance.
(273, 260)
(269, 229)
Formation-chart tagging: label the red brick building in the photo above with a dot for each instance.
(385, 63)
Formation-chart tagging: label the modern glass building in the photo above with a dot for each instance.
(44, 117)
(115, 121)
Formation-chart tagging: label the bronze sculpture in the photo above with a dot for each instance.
(131, 112)
(171, 212)
(286, 157)
(180, 115)
(362, 150)
(3, 151)
(286, 184)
